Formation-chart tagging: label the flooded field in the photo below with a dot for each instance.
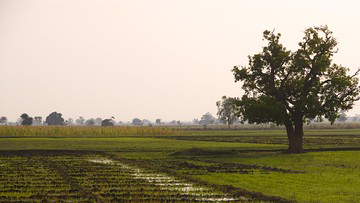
(56, 177)
(169, 184)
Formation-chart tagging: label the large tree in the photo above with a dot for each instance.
(55, 118)
(290, 88)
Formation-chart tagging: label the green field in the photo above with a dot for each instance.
(114, 165)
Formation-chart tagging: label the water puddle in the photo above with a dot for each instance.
(102, 161)
(168, 183)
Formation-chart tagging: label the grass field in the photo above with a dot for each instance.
(190, 166)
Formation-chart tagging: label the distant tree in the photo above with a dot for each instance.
(90, 122)
(37, 120)
(173, 122)
(178, 122)
(342, 118)
(69, 121)
(146, 122)
(98, 121)
(80, 120)
(18, 121)
(26, 119)
(158, 121)
(355, 118)
(195, 121)
(107, 122)
(137, 121)
(55, 119)
(3, 120)
(227, 110)
(290, 88)
(207, 119)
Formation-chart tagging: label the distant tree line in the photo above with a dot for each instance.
(226, 114)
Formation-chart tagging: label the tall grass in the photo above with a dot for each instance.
(82, 131)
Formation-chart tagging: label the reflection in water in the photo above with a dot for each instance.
(168, 183)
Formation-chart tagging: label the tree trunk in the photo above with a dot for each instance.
(295, 143)
(295, 136)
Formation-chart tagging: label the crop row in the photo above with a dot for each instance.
(92, 178)
(82, 131)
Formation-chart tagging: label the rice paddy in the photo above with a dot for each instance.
(57, 176)
(44, 165)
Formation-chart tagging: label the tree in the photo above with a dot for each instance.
(137, 121)
(90, 122)
(207, 119)
(80, 120)
(195, 121)
(98, 121)
(158, 121)
(355, 118)
(146, 122)
(69, 121)
(227, 110)
(342, 117)
(38, 120)
(290, 88)
(3, 120)
(55, 119)
(107, 122)
(26, 119)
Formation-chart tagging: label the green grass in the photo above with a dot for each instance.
(325, 177)
(121, 144)
(328, 176)
(322, 180)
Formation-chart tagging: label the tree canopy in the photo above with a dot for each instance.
(90, 122)
(290, 88)
(137, 121)
(227, 110)
(55, 119)
(3, 119)
(207, 119)
(26, 119)
(107, 122)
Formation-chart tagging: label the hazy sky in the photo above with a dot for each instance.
(147, 58)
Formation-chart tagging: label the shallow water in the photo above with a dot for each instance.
(101, 161)
(168, 183)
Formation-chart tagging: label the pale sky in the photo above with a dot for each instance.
(147, 58)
